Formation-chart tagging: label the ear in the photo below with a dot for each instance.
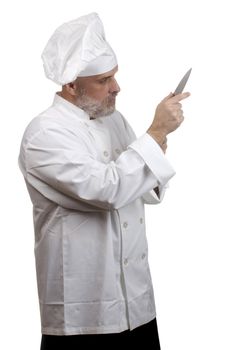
(71, 88)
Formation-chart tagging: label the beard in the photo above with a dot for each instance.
(94, 108)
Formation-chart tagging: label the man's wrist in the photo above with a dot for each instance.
(158, 136)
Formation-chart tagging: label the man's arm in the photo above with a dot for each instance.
(59, 168)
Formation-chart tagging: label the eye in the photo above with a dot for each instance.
(104, 80)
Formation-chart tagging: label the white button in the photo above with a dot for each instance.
(141, 220)
(106, 153)
(143, 256)
(117, 151)
(126, 262)
(125, 224)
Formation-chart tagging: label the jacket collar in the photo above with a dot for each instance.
(62, 103)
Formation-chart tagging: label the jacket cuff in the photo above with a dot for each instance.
(154, 157)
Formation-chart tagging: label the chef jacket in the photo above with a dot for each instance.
(88, 180)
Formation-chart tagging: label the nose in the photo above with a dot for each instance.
(114, 87)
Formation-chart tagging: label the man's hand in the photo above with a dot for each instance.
(168, 117)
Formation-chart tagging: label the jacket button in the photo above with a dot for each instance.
(126, 262)
(117, 151)
(141, 220)
(125, 224)
(143, 256)
(106, 153)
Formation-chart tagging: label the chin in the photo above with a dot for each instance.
(105, 112)
(111, 111)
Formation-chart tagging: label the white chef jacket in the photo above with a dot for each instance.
(88, 181)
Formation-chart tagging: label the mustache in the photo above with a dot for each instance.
(114, 94)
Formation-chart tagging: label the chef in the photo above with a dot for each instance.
(88, 177)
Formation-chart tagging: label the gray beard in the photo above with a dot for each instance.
(95, 108)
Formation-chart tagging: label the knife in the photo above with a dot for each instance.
(182, 83)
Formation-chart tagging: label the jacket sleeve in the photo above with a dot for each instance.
(149, 197)
(63, 169)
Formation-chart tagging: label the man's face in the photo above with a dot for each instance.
(96, 95)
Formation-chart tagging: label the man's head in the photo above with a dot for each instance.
(78, 57)
(94, 94)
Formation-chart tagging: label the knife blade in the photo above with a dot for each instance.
(182, 83)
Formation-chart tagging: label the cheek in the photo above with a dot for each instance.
(100, 92)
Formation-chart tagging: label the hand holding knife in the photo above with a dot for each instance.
(169, 114)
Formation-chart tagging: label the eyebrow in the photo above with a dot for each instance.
(106, 77)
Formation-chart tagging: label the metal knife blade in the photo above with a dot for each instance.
(182, 83)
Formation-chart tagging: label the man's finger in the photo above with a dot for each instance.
(179, 97)
(168, 97)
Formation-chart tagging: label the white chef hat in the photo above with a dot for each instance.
(78, 49)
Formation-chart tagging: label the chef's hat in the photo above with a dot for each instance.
(78, 49)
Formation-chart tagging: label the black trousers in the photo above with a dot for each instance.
(145, 335)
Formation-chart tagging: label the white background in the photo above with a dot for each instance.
(190, 233)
